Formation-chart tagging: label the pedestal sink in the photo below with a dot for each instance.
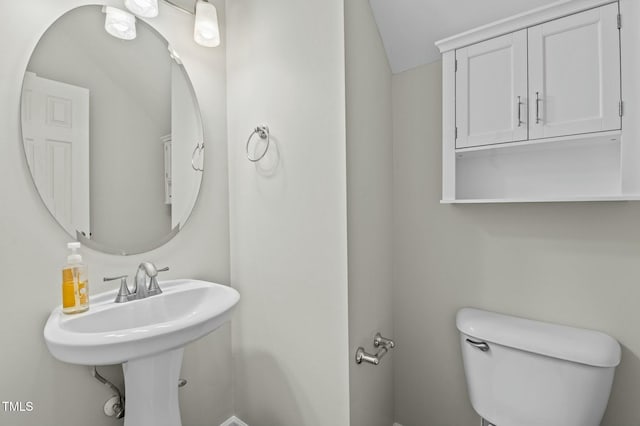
(147, 337)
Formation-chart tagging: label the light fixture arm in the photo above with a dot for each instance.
(180, 8)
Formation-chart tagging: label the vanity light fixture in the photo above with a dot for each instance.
(143, 8)
(119, 23)
(206, 31)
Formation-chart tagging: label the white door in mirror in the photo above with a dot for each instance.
(55, 131)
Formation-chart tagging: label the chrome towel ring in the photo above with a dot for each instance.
(198, 149)
(263, 132)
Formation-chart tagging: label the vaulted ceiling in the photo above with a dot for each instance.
(409, 28)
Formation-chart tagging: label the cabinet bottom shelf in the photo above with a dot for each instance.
(586, 198)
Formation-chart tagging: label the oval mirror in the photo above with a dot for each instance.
(112, 133)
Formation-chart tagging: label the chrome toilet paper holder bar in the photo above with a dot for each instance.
(382, 343)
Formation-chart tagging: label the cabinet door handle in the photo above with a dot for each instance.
(519, 112)
(538, 107)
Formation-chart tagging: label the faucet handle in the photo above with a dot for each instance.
(106, 279)
(154, 288)
(124, 295)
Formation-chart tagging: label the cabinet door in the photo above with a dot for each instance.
(491, 90)
(574, 72)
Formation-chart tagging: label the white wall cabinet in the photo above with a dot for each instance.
(491, 91)
(574, 74)
(533, 106)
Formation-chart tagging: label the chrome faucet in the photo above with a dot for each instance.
(141, 290)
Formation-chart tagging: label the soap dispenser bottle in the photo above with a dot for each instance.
(75, 283)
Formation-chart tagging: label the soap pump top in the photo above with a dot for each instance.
(74, 257)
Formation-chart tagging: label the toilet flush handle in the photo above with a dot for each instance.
(483, 346)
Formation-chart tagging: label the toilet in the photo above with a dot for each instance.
(529, 373)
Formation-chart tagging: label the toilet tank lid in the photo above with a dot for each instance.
(558, 341)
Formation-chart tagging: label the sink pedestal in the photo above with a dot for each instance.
(151, 390)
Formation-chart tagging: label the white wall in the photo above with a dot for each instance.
(574, 264)
(32, 247)
(288, 215)
(369, 201)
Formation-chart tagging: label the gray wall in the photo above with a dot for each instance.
(288, 212)
(369, 201)
(575, 264)
(32, 247)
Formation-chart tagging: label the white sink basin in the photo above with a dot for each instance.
(113, 333)
(146, 336)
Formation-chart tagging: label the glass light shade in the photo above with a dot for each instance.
(119, 23)
(206, 32)
(144, 8)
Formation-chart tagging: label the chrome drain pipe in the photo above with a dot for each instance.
(114, 407)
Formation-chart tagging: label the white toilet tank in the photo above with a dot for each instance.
(529, 373)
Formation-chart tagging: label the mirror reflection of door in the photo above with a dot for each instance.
(55, 118)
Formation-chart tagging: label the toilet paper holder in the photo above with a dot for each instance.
(382, 343)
